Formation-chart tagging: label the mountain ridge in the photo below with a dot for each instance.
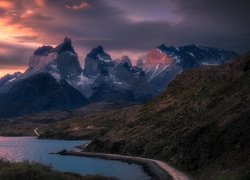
(105, 79)
(200, 124)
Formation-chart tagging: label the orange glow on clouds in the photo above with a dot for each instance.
(40, 3)
(10, 32)
(6, 4)
(16, 22)
(27, 13)
(10, 70)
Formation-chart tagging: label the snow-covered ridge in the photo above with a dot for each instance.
(104, 78)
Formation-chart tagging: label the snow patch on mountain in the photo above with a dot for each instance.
(13, 79)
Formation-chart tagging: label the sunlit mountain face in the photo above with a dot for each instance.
(122, 27)
(155, 57)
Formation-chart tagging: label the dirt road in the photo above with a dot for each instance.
(159, 169)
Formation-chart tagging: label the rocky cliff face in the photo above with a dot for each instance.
(164, 63)
(37, 93)
(105, 79)
(61, 62)
(114, 80)
(9, 78)
(191, 56)
(97, 61)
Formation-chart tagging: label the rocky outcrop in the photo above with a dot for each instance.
(164, 63)
(105, 79)
(61, 62)
(37, 93)
(9, 78)
(97, 61)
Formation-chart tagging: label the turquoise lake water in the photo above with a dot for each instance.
(32, 149)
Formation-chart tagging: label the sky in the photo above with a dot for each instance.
(122, 27)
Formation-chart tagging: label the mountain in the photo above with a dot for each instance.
(199, 124)
(47, 84)
(191, 56)
(106, 80)
(9, 78)
(61, 62)
(102, 79)
(38, 93)
(97, 61)
(114, 80)
(163, 63)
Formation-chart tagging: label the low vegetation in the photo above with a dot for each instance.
(200, 124)
(35, 171)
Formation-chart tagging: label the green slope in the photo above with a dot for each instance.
(35, 171)
(200, 124)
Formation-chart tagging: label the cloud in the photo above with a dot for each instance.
(201, 22)
(122, 26)
(26, 38)
(6, 4)
(40, 3)
(14, 54)
(82, 5)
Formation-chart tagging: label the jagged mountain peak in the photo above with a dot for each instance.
(103, 75)
(98, 51)
(60, 62)
(165, 48)
(162, 46)
(99, 48)
(139, 63)
(193, 55)
(97, 61)
(9, 78)
(66, 45)
(44, 50)
(126, 60)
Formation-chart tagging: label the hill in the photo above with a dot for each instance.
(199, 124)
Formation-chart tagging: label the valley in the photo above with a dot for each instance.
(128, 90)
(199, 124)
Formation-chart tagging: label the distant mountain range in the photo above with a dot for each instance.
(200, 124)
(55, 80)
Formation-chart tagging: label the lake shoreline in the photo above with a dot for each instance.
(150, 167)
(41, 151)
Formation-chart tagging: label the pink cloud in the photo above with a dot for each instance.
(82, 5)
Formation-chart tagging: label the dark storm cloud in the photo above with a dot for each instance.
(213, 23)
(224, 23)
(131, 25)
(138, 36)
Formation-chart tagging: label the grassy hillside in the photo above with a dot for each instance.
(34, 171)
(87, 122)
(201, 124)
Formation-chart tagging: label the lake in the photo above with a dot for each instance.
(32, 149)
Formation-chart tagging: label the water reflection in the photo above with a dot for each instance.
(29, 148)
